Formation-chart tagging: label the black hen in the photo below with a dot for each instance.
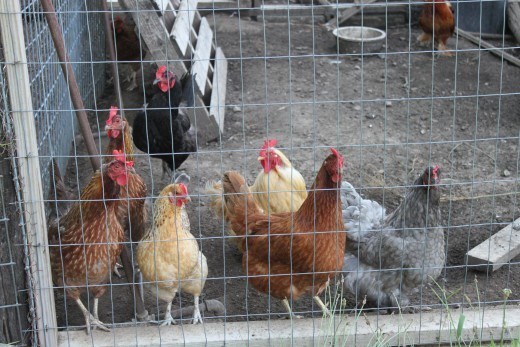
(161, 130)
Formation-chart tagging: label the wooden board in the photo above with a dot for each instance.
(217, 107)
(154, 34)
(513, 17)
(346, 14)
(29, 177)
(202, 56)
(165, 52)
(181, 31)
(497, 250)
(432, 328)
(498, 51)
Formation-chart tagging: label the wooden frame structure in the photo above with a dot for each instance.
(177, 35)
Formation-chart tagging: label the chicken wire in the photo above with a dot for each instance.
(84, 37)
(288, 80)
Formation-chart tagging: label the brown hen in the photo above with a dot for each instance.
(86, 241)
(437, 22)
(291, 254)
(132, 212)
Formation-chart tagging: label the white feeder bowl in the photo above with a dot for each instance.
(355, 39)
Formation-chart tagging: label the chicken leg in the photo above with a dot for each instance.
(326, 311)
(168, 319)
(197, 318)
(285, 303)
(91, 319)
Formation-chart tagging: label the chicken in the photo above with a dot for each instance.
(128, 48)
(161, 130)
(437, 21)
(132, 212)
(87, 240)
(169, 256)
(384, 265)
(279, 187)
(290, 254)
(359, 215)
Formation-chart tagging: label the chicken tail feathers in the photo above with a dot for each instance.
(188, 90)
(239, 201)
(58, 193)
(216, 202)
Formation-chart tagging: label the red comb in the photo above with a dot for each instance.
(269, 143)
(183, 188)
(435, 169)
(160, 71)
(112, 114)
(121, 157)
(335, 152)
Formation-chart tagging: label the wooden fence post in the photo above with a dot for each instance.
(13, 42)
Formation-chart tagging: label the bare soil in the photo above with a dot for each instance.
(390, 115)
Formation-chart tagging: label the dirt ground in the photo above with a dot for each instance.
(389, 115)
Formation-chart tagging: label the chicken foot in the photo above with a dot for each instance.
(326, 311)
(168, 319)
(91, 319)
(285, 303)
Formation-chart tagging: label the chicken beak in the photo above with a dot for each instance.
(187, 198)
(157, 80)
(260, 158)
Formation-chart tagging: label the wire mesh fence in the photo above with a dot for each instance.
(429, 133)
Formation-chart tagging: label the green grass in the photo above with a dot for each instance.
(340, 329)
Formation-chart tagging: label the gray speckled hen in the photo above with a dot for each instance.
(385, 265)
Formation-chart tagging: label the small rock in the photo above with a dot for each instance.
(370, 116)
(237, 109)
(322, 75)
(370, 125)
(388, 104)
(506, 173)
(414, 89)
(516, 225)
(394, 63)
(423, 131)
(402, 38)
(357, 67)
(486, 84)
(357, 108)
(369, 90)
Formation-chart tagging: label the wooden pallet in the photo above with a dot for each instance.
(177, 35)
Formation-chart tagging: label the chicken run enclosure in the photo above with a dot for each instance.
(291, 186)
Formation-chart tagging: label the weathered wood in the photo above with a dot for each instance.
(346, 14)
(181, 31)
(13, 294)
(202, 56)
(498, 51)
(29, 173)
(218, 94)
(154, 34)
(513, 15)
(428, 328)
(496, 251)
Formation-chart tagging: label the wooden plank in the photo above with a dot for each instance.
(181, 31)
(431, 328)
(346, 14)
(202, 56)
(29, 174)
(154, 34)
(217, 106)
(513, 17)
(498, 51)
(496, 251)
